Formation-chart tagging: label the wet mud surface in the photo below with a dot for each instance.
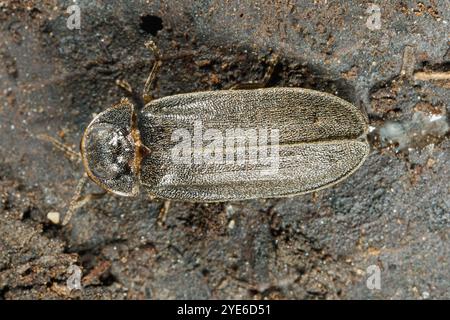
(393, 213)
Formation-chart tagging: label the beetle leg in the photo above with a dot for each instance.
(272, 63)
(163, 213)
(147, 96)
(163, 210)
(270, 69)
(314, 197)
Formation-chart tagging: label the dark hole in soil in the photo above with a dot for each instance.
(151, 24)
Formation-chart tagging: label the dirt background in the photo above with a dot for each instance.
(393, 213)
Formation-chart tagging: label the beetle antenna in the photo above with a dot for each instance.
(78, 201)
(147, 94)
(132, 94)
(61, 146)
(68, 151)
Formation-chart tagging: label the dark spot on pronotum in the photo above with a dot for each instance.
(151, 24)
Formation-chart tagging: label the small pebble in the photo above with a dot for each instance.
(54, 217)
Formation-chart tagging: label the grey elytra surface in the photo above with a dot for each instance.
(226, 145)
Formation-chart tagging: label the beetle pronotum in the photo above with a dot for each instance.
(321, 140)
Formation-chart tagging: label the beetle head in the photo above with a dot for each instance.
(109, 152)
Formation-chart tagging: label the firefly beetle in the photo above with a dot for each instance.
(321, 140)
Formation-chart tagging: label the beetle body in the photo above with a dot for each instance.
(226, 145)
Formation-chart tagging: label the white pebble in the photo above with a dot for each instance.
(54, 217)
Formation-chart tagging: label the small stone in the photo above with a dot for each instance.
(54, 217)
